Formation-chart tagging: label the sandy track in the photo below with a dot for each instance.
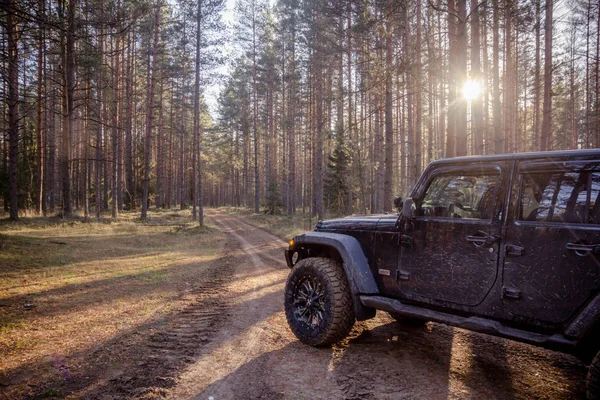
(255, 356)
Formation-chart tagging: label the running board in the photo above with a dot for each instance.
(476, 324)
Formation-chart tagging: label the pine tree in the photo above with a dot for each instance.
(336, 182)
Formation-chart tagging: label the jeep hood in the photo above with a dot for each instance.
(356, 223)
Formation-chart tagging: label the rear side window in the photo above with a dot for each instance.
(460, 196)
(560, 196)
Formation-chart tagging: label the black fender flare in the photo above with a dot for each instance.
(355, 264)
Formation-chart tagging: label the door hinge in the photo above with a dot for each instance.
(510, 293)
(513, 250)
(402, 275)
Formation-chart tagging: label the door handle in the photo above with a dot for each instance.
(510, 293)
(584, 249)
(514, 250)
(482, 240)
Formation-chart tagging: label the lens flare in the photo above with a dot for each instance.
(471, 90)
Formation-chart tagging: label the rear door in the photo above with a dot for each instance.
(552, 263)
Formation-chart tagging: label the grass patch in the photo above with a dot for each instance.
(50, 393)
(7, 325)
(89, 281)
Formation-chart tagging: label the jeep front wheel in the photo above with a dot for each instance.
(318, 302)
(593, 379)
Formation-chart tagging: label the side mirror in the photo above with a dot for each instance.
(407, 208)
(398, 204)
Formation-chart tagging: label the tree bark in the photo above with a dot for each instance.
(546, 138)
(99, 90)
(497, 113)
(476, 104)
(40, 115)
(509, 100)
(461, 78)
(418, 146)
(13, 110)
(291, 119)
(150, 112)
(536, 79)
(389, 132)
(255, 111)
(197, 191)
(115, 128)
(68, 111)
(129, 188)
(452, 79)
(318, 156)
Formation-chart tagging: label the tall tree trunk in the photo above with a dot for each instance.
(486, 131)
(51, 166)
(379, 158)
(536, 79)
(354, 158)
(86, 151)
(292, 125)
(509, 100)
(115, 128)
(255, 111)
(409, 84)
(461, 77)
(389, 132)
(197, 181)
(150, 112)
(160, 147)
(587, 74)
(68, 111)
(572, 101)
(121, 55)
(100, 106)
(40, 116)
(452, 78)
(318, 156)
(13, 109)
(442, 94)
(546, 138)
(342, 202)
(418, 97)
(476, 104)
(597, 74)
(497, 113)
(129, 188)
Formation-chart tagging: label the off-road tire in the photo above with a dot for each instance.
(335, 302)
(593, 379)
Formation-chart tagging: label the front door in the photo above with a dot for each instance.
(450, 249)
(552, 265)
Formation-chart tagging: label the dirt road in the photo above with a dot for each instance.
(255, 356)
(225, 337)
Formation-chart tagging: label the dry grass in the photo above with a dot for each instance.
(283, 225)
(68, 285)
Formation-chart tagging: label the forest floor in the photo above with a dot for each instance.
(163, 309)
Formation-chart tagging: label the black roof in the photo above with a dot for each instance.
(538, 155)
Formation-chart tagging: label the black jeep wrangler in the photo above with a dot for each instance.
(507, 245)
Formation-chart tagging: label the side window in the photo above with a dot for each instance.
(460, 196)
(560, 197)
